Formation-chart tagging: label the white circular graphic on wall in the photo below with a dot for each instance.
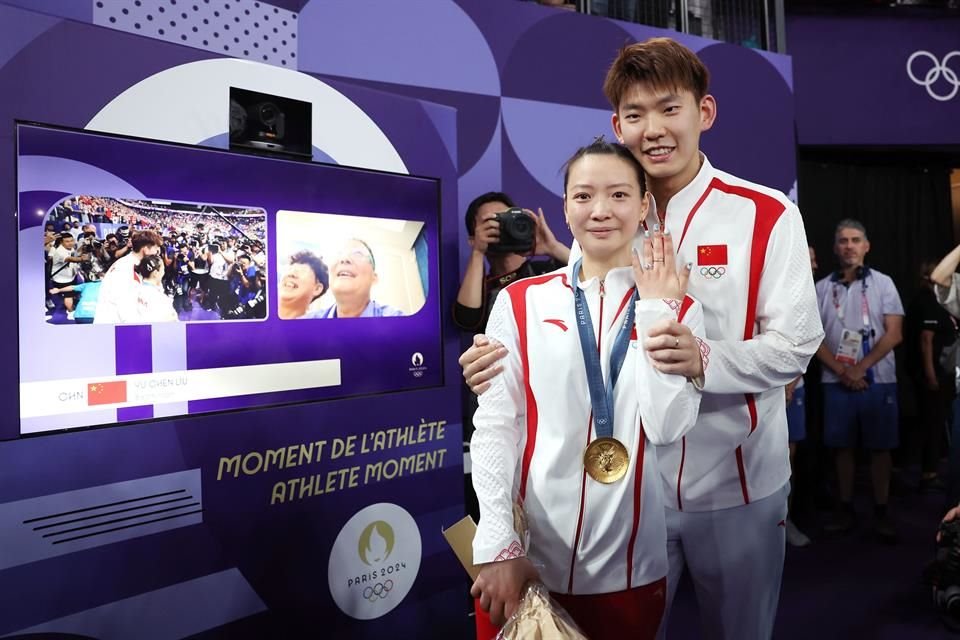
(374, 561)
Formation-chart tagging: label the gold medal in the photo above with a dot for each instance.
(606, 460)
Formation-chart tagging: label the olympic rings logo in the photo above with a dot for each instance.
(712, 272)
(377, 591)
(939, 68)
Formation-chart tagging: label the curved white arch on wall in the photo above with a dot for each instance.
(189, 103)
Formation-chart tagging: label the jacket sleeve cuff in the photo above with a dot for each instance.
(484, 552)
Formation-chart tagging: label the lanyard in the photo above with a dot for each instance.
(866, 332)
(864, 305)
(601, 399)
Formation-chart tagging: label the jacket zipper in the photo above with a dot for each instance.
(583, 477)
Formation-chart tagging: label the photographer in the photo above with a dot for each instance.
(121, 245)
(182, 268)
(479, 286)
(252, 300)
(64, 268)
(220, 260)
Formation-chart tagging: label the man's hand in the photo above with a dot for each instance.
(655, 273)
(673, 349)
(545, 243)
(500, 587)
(485, 232)
(932, 383)
(790, 389)
(950, 516)
(479, 362)
(853, 378)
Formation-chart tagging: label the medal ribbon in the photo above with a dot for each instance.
(601, 396)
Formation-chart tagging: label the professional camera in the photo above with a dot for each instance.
(517, 232)
(943, 574)
(123, 235)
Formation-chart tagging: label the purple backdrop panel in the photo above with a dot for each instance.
(854, 84)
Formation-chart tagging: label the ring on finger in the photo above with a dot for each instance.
(658, 259)
(677, 342)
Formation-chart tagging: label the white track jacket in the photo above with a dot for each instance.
(751, 272)
(535, 421)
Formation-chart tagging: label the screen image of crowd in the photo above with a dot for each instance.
(334, 266)
(121, 261)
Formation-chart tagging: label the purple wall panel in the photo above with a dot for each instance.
(853, 85)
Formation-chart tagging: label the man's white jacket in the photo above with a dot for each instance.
(751, 272)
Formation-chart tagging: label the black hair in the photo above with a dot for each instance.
(491, 196)
(148, 265)
(601, 147)
(319, 267)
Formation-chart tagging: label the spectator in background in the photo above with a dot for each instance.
(930, 329)
(353, 275)
(863, 320)
(305, 280)
(480, 286)
(947, 289)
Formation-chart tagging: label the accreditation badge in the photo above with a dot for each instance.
(606, 460)
(851, 345)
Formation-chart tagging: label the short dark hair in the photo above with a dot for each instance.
(604, 148)
(319, 267)
(662, 63)
(850, 223)
(141, 239)
(491, 196)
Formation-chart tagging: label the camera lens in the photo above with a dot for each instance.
(268, 113)
(521, 226)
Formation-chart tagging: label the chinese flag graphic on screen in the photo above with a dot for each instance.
(106, 392)
(711, 255)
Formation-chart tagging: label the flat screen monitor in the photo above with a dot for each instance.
(159, 280)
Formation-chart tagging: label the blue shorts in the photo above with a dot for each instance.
(797, 415)
(873, 414)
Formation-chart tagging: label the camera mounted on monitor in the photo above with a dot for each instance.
(270, 124)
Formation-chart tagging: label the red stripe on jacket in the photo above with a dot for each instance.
(518, 300)
(768, 212)
(637, 494)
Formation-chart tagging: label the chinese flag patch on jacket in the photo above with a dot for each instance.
(711, 255)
